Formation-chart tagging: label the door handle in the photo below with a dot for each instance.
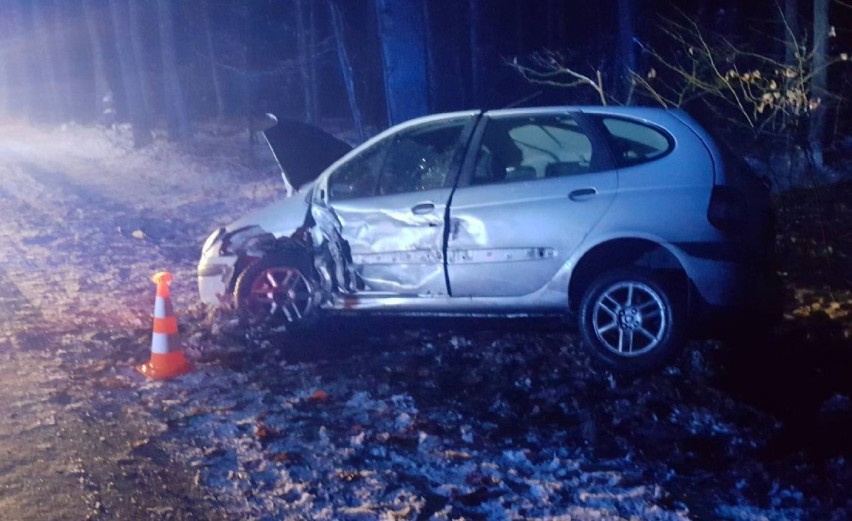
(582, 194)
(423, 208)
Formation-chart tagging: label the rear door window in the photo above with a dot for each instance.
(526, 148)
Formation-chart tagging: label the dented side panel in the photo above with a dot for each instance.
(389, 244)
(511, 241)
(535, 186)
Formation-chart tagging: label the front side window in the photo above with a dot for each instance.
(421, 158)
(413, 160)
(359, 176)
(532, 147)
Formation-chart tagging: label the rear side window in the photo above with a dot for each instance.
(634, 143)
(527, 148)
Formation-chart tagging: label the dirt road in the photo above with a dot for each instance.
(77, 251)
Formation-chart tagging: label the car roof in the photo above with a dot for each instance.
(632, 111)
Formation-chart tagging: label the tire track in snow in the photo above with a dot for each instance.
(106, 233)
(24, 289)
(15, 310)
(110, 216)
(81, 256)
(58, 256)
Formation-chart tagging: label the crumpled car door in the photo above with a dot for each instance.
(381, 214)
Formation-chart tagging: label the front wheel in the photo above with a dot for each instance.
(274, 292)
(632, 321)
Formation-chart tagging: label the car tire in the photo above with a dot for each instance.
(277, 291)
(632, 320)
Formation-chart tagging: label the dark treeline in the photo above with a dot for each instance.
(349, 64)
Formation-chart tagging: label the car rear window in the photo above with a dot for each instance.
(633, 142)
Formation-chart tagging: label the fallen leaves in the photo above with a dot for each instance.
(318, 396)
(264, 432)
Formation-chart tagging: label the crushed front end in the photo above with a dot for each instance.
(222, 257)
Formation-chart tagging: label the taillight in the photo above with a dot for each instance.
(727, 210)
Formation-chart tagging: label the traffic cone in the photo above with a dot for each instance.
(167, 360)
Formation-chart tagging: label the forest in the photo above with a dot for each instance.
(768, 70)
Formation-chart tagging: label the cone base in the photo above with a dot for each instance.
(165, 366)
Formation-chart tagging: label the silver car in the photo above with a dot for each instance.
(630, 220)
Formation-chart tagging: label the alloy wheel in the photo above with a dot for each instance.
(629, 318)
(280, 293)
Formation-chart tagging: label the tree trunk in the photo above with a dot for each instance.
(98, 65)
(137, 41)
(247, 86)
(520, 8)
(211, 60)
(46, 65)
(556, 23)
(431, 66)
(7, 32)
(454, 87)
(626, 50)
(819, 81)
(403, 41)
(4, 87)
(626, 63)
(139, 117)
(792, 32)
(308, 88)
(176, 105)
(474, 36)
(23, 89)
(346, 68)
(312, 58)
(62, 56)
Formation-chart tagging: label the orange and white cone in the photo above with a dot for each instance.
(167, 360)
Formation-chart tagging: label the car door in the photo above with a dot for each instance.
(383, 211)
(535, 185)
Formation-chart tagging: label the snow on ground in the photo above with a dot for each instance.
(367, 419)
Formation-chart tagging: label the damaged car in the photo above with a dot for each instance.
(630, 221)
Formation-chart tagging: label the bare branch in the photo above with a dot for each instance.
(549, 67)
(758, 91)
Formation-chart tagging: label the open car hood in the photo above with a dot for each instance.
(303, 150)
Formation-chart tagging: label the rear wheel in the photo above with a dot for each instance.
(632, 321)
(275, 291)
